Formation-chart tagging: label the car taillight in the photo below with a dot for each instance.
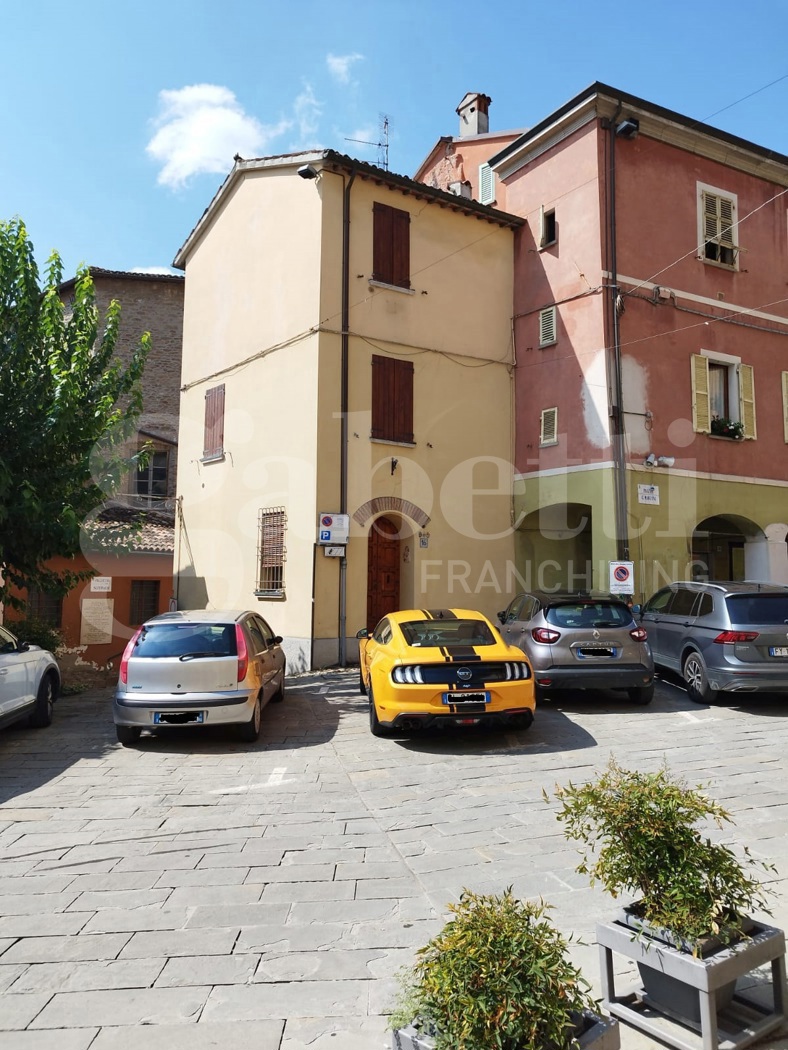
(124, 660)
(731, 637)
(408, 674)
(516, 672)
(243, 652)
(541, 634)
(640, 634)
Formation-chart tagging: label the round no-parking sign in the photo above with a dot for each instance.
(622, 577)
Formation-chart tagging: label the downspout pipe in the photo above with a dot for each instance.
(343, 398)
(619, 430)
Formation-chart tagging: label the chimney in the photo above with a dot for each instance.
(473, 114)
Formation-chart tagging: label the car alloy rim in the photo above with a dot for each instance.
(693, 674)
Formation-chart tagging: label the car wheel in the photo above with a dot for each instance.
(279, 695)
(374, 722)
(642, 694)
(250, 731)
(696, 681)
(45, 699)
(540, 694)
(361, 687)
(127, 735)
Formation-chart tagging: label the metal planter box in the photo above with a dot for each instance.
(703, 981)
(599, 1033)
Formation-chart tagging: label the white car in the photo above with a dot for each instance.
(29, 682)
(199, 668)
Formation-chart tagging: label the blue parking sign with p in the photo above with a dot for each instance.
(325, 535)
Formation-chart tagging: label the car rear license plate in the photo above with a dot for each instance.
(461, 699)
(177, 718)
(778, 650)
(595, 652)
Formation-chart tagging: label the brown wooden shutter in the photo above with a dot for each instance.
(390, 245)
(213, 444)
(400, 248)
(392, 399)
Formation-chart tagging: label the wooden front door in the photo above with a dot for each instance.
(382, 571)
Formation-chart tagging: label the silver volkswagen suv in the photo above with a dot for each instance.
(580, 641)
(721, 637)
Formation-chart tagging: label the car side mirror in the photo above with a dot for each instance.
(24, 647)
(363, 633)
(502, 617)
(277, 639)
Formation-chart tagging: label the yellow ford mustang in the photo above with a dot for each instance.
(425, 667)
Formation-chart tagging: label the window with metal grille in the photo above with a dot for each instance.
(144, 601)
(390, 245)
(547, 326)
(392, 399)
(548, 432)
(213, 445)
(48, 608)
(718, 231)
(486, 184)
(271, 551)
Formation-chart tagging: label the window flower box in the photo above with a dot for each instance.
(729, 428)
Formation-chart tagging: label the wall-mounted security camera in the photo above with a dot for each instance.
(665, 461)
(650, 460)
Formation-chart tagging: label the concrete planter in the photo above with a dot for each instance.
(696, 993)
(593, 1033)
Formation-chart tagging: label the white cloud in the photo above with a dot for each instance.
(307, 114)
(200, 128)
(339, 66)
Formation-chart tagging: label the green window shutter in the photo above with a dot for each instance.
(785, 405)
(747, 400)
(701, 415)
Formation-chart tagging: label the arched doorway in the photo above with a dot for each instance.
(383, 570)
(727, 547)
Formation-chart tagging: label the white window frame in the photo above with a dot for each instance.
(548, 427)
(543, 239)
(703, 239)
(785, 405)
(548, 327)
(736, 392)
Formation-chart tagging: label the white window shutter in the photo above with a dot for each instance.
(549, 427)
(486, 184)
(701, 412)
(747, 400)
(547, 326)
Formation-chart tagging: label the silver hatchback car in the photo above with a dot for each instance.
(199, 668)
(579, 641)
(721, 637)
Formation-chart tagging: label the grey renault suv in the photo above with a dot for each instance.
(200, 668)
(721, 637)
(579, 641)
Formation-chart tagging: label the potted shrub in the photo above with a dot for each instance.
(497, 975)
(730, 428)
(642, 833)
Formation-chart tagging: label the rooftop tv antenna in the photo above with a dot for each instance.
(382, 143)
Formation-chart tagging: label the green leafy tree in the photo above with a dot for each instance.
(67, 409)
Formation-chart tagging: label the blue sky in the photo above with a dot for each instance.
(120, 119)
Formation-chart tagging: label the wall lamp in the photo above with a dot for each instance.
(307, 171)
(628, 129)
(653, 460)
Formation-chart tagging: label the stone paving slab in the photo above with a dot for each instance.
(194, 888)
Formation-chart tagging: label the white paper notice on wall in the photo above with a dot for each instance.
(101, 583)
(648, 494)
(96, 625)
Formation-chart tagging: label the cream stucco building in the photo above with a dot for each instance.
(347, 351)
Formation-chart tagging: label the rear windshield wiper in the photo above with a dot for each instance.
(196, 656)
